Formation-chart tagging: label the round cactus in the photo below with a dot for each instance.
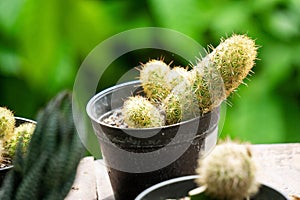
(139, 112)
(7, 123)
(154, 81)
(228, 172)
(24, 132)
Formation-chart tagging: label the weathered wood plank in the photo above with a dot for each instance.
(104, 189)
(278, 166)
(84, 186)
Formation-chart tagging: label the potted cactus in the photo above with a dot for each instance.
(12, 130)
(153, 129)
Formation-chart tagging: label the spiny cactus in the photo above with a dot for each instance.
(10, 135)
(223, 70)
(23, 131)
(210, 82)
(138, 112)
(48, 169)
(228, 172)
(7, 122)
(176, 76)
(181, 104)
(153, 79)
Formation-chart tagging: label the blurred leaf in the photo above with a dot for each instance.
(9, 62)
(284, 25)
(186, 19)
(276, 64)
(256, 116)
(9, 12)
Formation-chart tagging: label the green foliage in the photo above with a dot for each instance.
(48, 169)
(42, 46)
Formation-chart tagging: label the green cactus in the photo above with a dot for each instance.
(154, 81)
(176, 76)
(7, 123)
(228, 172)
(210, 82)
(181, 103)
(23, 131)
(48, 169)
(10, 135)
(223, 70)
(138, 112)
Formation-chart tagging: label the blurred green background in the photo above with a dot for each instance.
(43, 43)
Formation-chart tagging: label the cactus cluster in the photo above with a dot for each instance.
(48, 169)
(11, 135)
(228, 172)
(181, 94)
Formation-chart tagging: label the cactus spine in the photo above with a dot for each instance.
(228, 172)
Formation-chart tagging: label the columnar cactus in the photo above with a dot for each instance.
(228, 172)
(224, 69)
(138, 112)
(48, 169)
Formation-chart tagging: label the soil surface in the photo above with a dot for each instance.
(115, 118)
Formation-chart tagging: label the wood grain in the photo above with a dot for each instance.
(278, 167)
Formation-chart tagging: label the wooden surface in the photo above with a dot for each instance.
(278, 167)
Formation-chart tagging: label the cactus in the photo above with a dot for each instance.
(223, 70)
(176, 76)
(48, 169)
(228, 172)
(154, 81)
(7, 123)
(210, 82)
(10, 135)
(180, 104)
(138, 112)
(23, 131)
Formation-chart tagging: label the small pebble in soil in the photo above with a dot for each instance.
(115, 119)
